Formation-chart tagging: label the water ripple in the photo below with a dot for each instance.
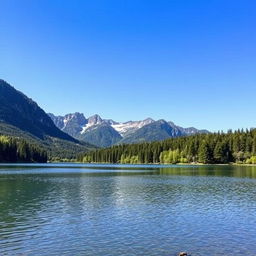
(150, 213)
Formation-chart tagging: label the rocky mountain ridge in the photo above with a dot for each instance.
(107, 132)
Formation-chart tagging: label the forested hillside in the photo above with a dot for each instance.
(22, 112)
(21, 117)
(15, 150)
(219, 148)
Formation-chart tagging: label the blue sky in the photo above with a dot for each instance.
(192, 62)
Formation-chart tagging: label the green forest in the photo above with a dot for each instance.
(14, 150)
(214, 148)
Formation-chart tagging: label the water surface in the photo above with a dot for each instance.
(76, 209)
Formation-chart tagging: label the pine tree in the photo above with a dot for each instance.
(204, 153)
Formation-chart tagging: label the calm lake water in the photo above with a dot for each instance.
(75, 209)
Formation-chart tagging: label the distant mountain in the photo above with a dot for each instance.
(106, 132)
(103, 135)
(70, 123)
(20, 116)
(131, 126)
(158, 130)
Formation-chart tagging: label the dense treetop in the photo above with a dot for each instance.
(18, 150)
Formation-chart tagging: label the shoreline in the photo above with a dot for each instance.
(132, 164)
(156, 164)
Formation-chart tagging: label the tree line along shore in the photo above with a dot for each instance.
(215, 148)
(237, 147)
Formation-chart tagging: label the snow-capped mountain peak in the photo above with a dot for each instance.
(76, 117)
(92, 123)
(131, 126)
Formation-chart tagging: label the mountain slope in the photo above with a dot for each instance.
(130, 127)
(22, 117)
(18, 110)
(102, 135)
(71, 123)
(158, 130)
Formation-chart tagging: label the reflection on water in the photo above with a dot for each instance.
(211, 170)
(139, 210)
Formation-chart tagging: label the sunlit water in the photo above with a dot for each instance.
(72, 209)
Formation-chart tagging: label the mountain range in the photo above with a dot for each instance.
(21, 117)
(107, 132)
(65, 136)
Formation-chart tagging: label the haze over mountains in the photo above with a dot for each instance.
(107, 132)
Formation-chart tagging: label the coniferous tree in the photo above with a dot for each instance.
(204, 153)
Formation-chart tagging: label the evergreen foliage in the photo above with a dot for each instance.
(14, 150)
(57, 149)
(219, 148)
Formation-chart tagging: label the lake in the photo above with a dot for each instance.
(79, 209)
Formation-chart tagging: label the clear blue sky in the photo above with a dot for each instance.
(192, 62)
